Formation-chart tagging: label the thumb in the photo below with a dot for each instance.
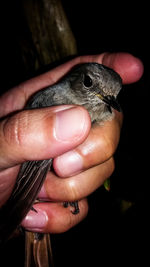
(41, 133)
(129, 67)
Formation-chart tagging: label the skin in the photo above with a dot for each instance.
(86, 153)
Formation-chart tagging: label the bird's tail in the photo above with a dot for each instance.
(38, 251)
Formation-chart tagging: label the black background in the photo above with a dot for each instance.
(105, 236)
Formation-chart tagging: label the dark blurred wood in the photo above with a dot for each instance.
(51, 36)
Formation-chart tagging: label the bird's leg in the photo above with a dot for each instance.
(74, 205)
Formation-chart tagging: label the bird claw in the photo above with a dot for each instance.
(74, 205)
(33, 209)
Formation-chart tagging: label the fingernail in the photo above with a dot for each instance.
(71, 161)
(69, 124)
(35, 220)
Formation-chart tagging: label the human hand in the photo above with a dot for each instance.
(29, 135)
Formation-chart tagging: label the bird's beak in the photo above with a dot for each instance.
(111, 101)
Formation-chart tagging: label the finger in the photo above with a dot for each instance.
(42, 133)
(78, 186)
(129, 67)
(16, 98)
(53, 217)
(99, 146)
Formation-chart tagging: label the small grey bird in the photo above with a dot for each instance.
(91, 85)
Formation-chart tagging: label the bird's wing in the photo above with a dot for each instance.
(29, 181)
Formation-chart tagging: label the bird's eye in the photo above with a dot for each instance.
(87, 81)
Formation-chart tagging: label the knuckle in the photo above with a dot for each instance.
(108, 147)
(15, 127)
(112, 162)
(73, 193)
(111, 166)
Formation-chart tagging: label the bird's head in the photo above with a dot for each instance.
(97, 83)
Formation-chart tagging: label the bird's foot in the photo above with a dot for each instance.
(74, 205)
